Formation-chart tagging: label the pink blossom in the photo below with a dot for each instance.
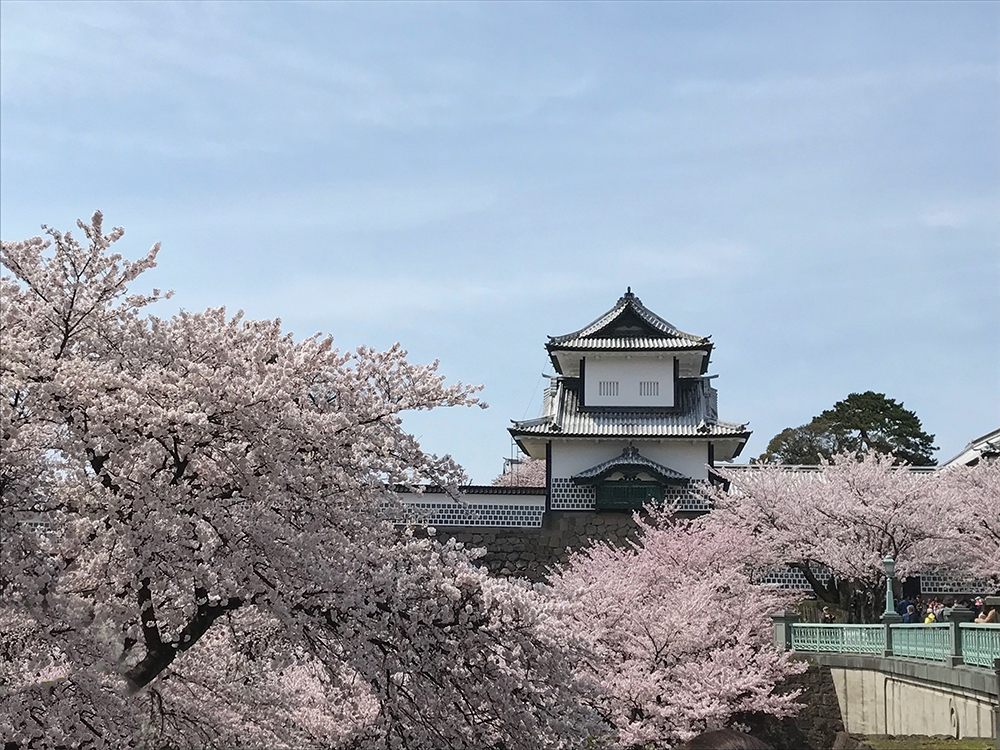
(680, 636)
(214, 566)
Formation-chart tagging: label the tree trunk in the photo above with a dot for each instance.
(159, 656)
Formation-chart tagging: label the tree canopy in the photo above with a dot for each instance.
(679, 635)
(529, 472)
(861, 422)
(195, 549)
(199, 551)
(846, 516)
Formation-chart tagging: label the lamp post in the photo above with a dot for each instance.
(890, 615)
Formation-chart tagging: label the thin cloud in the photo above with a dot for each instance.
(696, 261)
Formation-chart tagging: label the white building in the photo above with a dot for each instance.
(631, 416)
(985, 448)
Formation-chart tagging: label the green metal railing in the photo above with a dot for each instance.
(980, 643)
(975, 644)
(920, 641)
(840, 639)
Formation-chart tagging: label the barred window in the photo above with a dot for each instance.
(608, 388)
(649, 388)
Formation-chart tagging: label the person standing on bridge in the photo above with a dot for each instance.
(944, 614)
(902, 607)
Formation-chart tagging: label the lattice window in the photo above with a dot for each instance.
(567, 495)
(607, 388)
(477, 514)
(649, 388)
(792, 578)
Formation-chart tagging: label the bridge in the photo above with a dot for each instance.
(901, 679)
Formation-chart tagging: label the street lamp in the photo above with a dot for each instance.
(890, 614)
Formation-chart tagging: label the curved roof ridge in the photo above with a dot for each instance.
(629, 300)
(630, 458)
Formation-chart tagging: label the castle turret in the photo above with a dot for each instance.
(631, 415)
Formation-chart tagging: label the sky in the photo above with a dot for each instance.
(815, 185)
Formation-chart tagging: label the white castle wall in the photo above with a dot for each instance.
(627, 374)
(570, 458)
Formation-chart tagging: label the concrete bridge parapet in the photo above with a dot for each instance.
(930, 682)
(897, 696)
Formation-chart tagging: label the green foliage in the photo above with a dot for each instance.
(861, 422)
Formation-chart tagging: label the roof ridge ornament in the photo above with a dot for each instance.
(645, 325)
(626, 298)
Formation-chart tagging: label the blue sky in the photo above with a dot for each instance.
(815, 185)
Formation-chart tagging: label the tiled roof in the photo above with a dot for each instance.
(638, 342)
(631, 463)
(693, 419)
(656, 330)
(478, 489)
(987, 446)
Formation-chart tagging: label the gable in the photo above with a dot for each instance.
(626, 325)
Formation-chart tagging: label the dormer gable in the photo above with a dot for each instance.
(627, 327)
(627, 324)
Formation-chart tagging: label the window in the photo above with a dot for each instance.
(607, 388)
(649, 388)
(627, 495)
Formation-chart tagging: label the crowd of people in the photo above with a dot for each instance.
(917, 610)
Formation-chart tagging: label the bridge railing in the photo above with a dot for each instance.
(838, 639)
(980, 643)
(922, 641)
(955, 643)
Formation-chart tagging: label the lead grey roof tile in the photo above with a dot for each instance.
(629, 460)
(691, 420)
(658, 333)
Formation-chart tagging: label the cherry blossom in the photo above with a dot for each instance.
(195, 536)
(530, 472)
(971, 521)
(846, 517)
(680, 636)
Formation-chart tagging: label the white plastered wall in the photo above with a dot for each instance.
(628, 371)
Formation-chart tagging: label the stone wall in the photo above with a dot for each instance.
(531, 552)
(816, 726)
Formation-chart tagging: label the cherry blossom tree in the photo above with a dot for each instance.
(680, 636)
(845, 517)
(971, 521)
(530, 472)
(194, 535)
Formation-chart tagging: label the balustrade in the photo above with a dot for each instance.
(980, 643)
(974, 644)
(840, 639)
(922, 641)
